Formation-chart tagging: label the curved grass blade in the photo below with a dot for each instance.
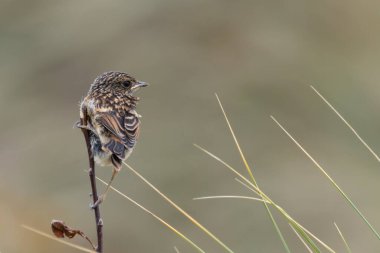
(155, 216)
(280, 209)
(329, 178)
(230, 197)
(199, 225)
(248, 168)
(305, 239)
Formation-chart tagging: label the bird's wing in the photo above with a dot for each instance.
(124, 131)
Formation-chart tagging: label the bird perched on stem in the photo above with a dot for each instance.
(108, 112)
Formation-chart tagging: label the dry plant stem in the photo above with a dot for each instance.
(91, 172)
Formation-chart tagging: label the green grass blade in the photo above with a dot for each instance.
(343, 239)
(329, 178)
(347, 124)
(301, 239)
(183, 212)
(257, 190)
(252, 177)
(306, 239)
(277, 228)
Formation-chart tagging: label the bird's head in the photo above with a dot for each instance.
(118, 82)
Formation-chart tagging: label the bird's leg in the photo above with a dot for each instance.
(103, 196)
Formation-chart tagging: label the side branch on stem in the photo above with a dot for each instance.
(91, 172)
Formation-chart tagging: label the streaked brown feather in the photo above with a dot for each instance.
(123, 128)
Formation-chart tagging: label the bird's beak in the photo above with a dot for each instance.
(139, 84)
(142, 84)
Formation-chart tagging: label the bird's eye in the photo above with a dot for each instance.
(127, 84)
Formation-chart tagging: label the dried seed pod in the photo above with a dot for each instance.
(60, 230)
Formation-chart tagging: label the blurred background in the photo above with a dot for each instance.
(259, 56)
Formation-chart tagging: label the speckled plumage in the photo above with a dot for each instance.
(109, 113)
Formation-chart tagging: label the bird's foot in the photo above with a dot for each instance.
(79, 125)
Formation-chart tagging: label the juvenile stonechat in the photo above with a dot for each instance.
(109, 113)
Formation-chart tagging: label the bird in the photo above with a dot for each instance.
(108, 112)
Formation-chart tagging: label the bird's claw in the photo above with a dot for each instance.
(77, 124)
(81, 126)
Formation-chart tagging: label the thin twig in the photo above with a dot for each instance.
(91, 173)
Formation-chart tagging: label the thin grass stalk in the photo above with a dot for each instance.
(248, 168)
(329, 178)
(307, 239)
(346, 122)
(155, 216)
(229, 197)
(194, 221)
(246, 185)
(301, 239)
(343, 239)
(280, 209)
